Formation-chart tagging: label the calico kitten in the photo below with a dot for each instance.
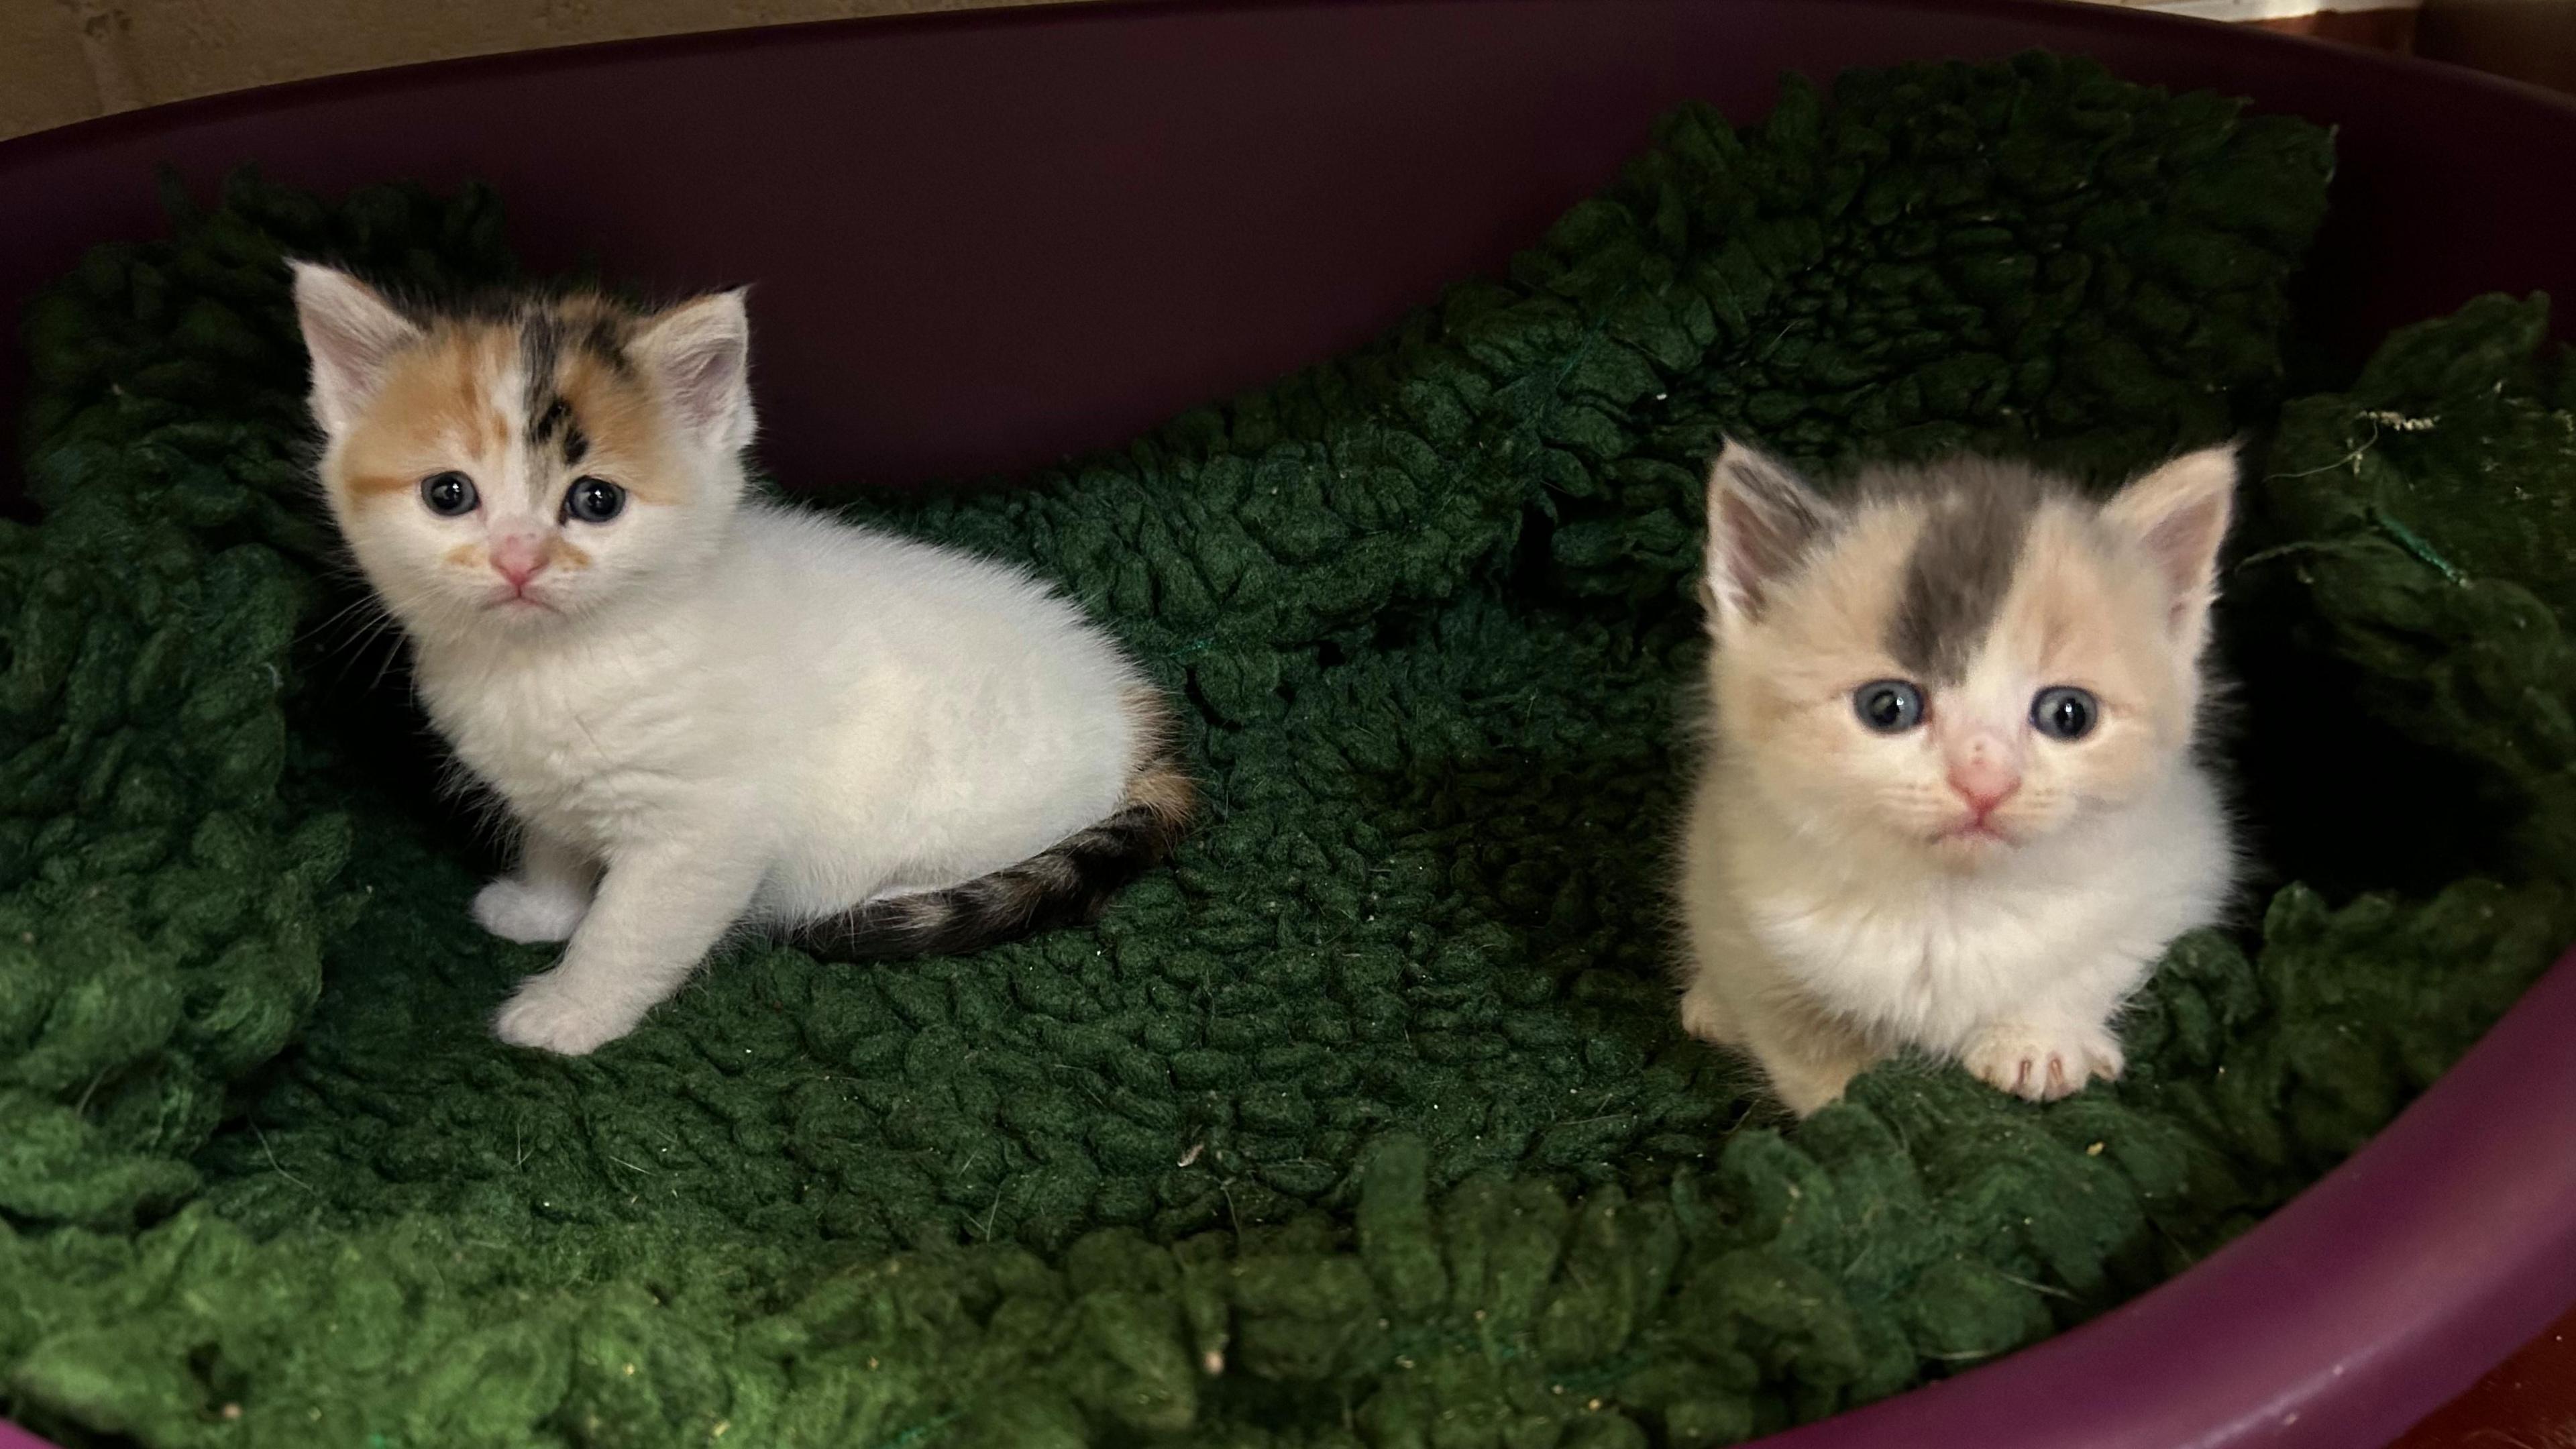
(701, 710)
(1951, 801)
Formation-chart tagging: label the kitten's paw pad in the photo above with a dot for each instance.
(550, 1015)
(514, 910)
(2043, 1063)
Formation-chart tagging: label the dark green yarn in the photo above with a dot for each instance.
(162, 911)
(2435, 535)
(1375, 1101)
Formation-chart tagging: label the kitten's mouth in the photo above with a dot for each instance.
(519, 604)
(1973, 835)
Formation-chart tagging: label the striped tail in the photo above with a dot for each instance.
(1068, 884)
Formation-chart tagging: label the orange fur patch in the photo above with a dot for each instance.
(1163, 791)
(624, 423)
(1156, 782)
(431, 414)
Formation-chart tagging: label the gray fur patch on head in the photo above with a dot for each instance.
(1976, 518)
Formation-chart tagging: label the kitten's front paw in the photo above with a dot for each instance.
(553, 1015)
(515, 910)
(2043, 1062)
(1706, 1017)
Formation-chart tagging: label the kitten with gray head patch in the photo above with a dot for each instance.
(1950, 801)
(701, 710)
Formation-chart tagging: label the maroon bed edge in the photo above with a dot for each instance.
(1184, 199)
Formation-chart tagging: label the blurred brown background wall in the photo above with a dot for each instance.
(2529, 40)
(68, 60)
(2533, 40)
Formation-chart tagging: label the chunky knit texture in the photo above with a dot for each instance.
(1369, 1122)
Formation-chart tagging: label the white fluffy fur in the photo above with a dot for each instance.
(1829, 924)
(735, 713)
(821, 716)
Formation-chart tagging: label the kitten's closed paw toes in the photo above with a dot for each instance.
(514, 910)
(2043, 1063)
(549, 1014)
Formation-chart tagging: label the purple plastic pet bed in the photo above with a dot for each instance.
(1173, 202)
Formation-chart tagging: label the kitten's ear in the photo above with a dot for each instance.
(700, 353)
(352, 333)
(2180, 512)
(1761, 520)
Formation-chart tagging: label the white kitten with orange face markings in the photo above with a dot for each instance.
(704, 711)
(1951, 803)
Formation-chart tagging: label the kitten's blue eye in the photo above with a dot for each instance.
(1889, 706)
(594, 500)
(449, 495)
(2063, 712)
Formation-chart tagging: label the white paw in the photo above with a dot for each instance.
(2043, 1062)
(1705, 1017)
(552, 1015)
(514, 910)
(1805, 1093)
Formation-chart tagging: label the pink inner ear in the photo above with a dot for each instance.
(2184, 544)
(704, 379)
(351, 334)
(700, 353)
(1757, 539)
(1758, 547)
(2179, 514)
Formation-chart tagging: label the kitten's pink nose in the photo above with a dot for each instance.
(1984, 784)
(518, 560)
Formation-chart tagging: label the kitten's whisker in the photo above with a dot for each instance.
(363, 601)
(386, 666)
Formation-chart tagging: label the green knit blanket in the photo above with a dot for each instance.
(1369, 1122)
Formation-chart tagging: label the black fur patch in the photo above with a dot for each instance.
(541, 338)
(605, 339)
(558, 425)
(545, 338)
